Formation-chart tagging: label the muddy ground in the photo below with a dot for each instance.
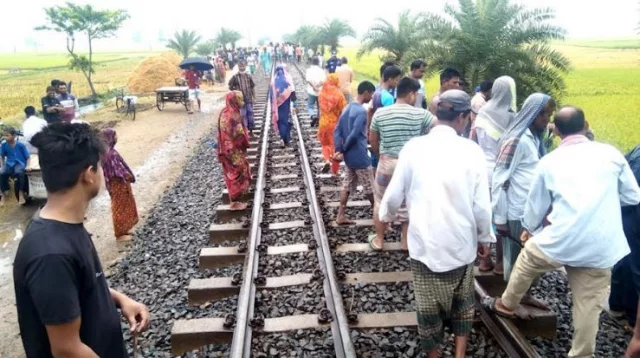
(156, 145)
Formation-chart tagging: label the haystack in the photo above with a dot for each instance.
(154, 72)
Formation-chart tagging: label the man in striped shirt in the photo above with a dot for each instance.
(243, 82)
(391, 128)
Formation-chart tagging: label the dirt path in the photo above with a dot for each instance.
(157, 145)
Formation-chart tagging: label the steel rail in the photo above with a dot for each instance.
(333, 297)
(241, 343)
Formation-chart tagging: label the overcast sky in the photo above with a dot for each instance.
(260, 18)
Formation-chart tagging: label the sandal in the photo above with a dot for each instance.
(371, 245)
(489, 303)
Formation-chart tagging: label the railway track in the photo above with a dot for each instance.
(306, 276)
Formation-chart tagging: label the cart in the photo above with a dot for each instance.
(173, 94)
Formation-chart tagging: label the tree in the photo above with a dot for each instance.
(184, 42)
(72, 20)
(206, 48)
(491, 38)
(308, 36)
(395, 40)
(263, 41)
(333, 30)
(227, 36)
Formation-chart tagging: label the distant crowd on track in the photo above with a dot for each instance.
(460, 173)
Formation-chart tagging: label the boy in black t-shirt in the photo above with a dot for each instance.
(65, 306)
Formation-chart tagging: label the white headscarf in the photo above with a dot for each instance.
(500, 110)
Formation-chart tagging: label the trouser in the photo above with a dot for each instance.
(588, 287)
(284, 128)
(625, 277)
(247, 115)
(17, 171)
(312, 106)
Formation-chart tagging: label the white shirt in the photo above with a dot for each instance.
(31, 127)
(585, 183)
(489, 146)
(442, 179)
(316, 76)
(509, 204)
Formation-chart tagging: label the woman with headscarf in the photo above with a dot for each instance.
(491, 122)
(521, 148)
(221, 71)
(331, 101)
(118, 178)
(265, 60)
(282, 94)
(233, 142)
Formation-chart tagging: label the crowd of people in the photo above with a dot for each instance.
(461, 173)
(457, 173)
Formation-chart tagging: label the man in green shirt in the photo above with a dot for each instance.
(391, 128)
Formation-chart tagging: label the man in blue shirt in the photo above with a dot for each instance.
(14, 159)
(383, 96)
(333, 62)
(350, 138)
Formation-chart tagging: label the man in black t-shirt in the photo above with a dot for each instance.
(65, 306)
(51, 106)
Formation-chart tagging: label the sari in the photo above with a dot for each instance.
(233, 142)
(265, 59)
(221, 71)
(282, 92)
(118, 178)
(331, 102)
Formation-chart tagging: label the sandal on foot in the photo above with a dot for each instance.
(371, 245)
(489, 303)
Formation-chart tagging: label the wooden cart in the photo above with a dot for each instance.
(173, 94)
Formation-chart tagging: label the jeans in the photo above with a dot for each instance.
(247, 115)
(17, 171)
(312, 101)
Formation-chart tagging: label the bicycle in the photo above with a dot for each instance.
(126, 103)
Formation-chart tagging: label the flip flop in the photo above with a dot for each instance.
(489, 303)
(371, 245)
(326, 167)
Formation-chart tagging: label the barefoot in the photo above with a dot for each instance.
(237, 206)
(522, 313)
(1, 201)
(342, 220)
(532, 301)
(485, 265)
(21, 199)
(124, 238)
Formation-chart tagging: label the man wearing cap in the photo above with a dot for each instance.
(443, 180)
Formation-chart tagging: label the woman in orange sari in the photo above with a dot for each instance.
(233, 142)
(332, 102)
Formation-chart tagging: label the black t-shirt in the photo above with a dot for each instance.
(50, 102)
(57, 278)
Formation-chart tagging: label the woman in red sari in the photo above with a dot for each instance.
(233, 142)
(118, 178)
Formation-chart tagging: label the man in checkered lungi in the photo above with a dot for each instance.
(443, 180)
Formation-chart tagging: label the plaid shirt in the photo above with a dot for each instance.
(243, 82)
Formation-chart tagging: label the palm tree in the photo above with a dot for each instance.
(333, 30)
(308, 36)
(395, 40)
(206, 48)
(184, 42)
(228, 37)
(491, 38)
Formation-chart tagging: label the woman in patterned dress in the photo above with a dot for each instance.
(233, 142)
(118, 178)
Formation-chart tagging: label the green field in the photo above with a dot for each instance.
(605, 82)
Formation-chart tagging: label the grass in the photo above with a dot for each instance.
(39, 61)
(604, 82)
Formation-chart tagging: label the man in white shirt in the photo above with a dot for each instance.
(521, 149)
(31, 126)
(449, 215)
(315, 77)
(580, 186)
